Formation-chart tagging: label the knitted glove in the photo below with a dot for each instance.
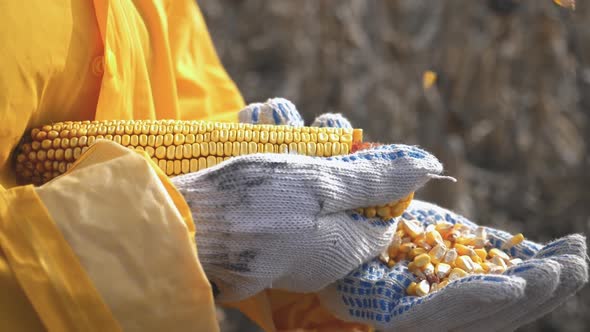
(375, 294)
(276, 111)
(280, 111)
(284, 221)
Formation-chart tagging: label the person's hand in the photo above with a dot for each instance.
(280, 111)
(376, 295)
(284, 221)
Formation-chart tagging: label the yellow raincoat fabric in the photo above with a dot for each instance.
(110, 245)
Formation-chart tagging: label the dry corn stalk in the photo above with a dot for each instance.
(180, 147)
(443, 252)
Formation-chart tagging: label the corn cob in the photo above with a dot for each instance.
(443, 252)
(180, 147)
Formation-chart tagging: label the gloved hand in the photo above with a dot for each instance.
(285, 221)
(280, 111)
(375, 294)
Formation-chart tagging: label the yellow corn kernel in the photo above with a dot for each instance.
(411, 228)
(370, 212)
(433, 237)
(464, 250)
(428, 269)
(407, 247)
(478, 269)
(476, 259)
(422, 288)
(486, 266)
(421, 260)
(434, 287)
(202, 163)
(451, 256)
(482, 253)
(383, 211)
(437, 254)
(498, 261)
(513, 241)
(417, 251)
(495, 252)
(411, 290)
(467, 241)
(457, 273)
(443, 228)
(442, 270)
(465, 263)
(384, 257)
(453, 235)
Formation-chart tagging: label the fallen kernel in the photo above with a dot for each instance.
(513, 241)
(437, 253)
(411, 290)
(434, 287)
(412, 228)
(457, 273)
(384, 257)
(444, 228)
(423, 288)
(416, 252)
(442, 270)
(495, 252)
(428, 269)
(482, 253)
(464, 250)
(476, 259)
(407, 247)
(451, 256)
(465, 263)
(422, 260)
(433, 238)
(442, 252)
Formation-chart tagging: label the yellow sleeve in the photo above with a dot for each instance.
(107, 246)
(203, 85)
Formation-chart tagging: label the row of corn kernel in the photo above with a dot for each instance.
(154, 127)
(389, 210)
(443, 252)
(45, 160)
(248, 136)
(193, 150)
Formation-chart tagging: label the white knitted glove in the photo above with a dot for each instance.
(284, 221)
(375, 294)
(335, 120)
(280, 111)
(275, 111)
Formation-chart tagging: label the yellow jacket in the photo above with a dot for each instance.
(109, 246)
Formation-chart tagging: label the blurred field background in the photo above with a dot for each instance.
(509, 115)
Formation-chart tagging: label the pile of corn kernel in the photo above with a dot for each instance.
(443, 252)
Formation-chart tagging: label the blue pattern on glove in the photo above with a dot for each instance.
(332, 120)
(375, 292)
